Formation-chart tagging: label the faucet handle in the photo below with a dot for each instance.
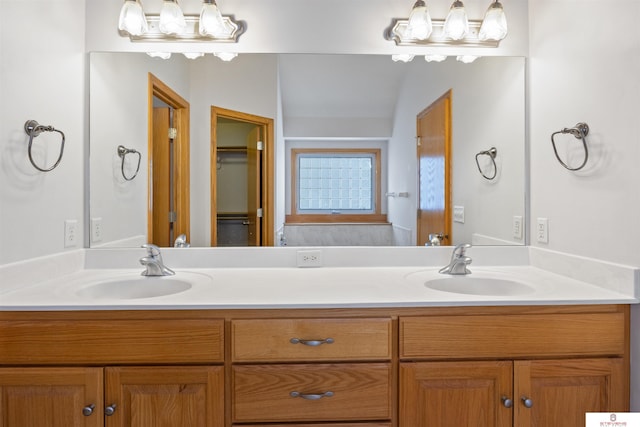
(152, 249)
(461, 249)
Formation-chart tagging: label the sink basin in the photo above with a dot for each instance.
(135, 287)
(470, 285)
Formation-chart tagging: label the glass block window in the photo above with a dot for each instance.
(335, 182)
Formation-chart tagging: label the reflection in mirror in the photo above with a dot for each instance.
(318, 101)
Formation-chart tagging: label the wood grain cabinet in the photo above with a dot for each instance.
(288, 378)
(579, 366)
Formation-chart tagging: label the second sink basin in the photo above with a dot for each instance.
(470, 285)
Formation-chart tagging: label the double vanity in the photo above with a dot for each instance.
(242, 337)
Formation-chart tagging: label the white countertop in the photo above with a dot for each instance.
(325, 287)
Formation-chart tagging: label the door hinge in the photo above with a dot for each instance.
(173, 217)
(259, 146)
(173, 133)
(259, 213)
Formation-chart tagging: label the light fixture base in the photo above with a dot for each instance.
(395, 32)
(190, 34)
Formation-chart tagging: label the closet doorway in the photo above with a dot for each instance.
(168, 192)
(241, 179)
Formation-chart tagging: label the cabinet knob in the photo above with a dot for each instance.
(109, 410)
(508, 403)
(311, 343)
(311, 396)
(527, 402)
(88, 410)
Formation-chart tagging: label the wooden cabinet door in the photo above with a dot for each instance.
(51, 397)
(165, 396)
(562, 391)
(454, 394)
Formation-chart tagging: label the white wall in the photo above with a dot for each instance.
(42, 77)
(584, 66)
(487, 110)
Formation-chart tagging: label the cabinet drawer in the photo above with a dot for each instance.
(512, 336)
(76, 341)
(281, 393)
(264, 340)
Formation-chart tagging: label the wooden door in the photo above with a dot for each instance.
(254, 175)
(562, 391)
(455, 394)
(51, 397)
(434, 171)
(162, 193)
(165, 396)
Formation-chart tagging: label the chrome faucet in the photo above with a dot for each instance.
(459, 261)
(153, 262)
(181, 242)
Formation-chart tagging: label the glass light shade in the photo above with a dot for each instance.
(494, 24)
(419, 26)
(211, 22)
(193, 55)
(132, 19)
(171, 18)
(402, 57)
(225, 56)
(435, 58)
(466, 59)
(161, 55)
(456, 25)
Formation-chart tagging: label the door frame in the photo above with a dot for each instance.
(181, 169)
(445, 98)
(267, 178)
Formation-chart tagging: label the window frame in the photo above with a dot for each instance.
(374, 217)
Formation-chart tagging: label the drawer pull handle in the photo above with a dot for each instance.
(311, 396)
(527, 402)
(88, 410)
(109, 410)
(508, 403)
(311, 343)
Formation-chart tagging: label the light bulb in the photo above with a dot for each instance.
(494, 24)
(211, 21)
(225, 56)
(456, 25)
(466, 59)
(402, 57)
(132, 19)
(419, 26)
(435, 58)
(193, 55)
(171, 18)
(161, 55)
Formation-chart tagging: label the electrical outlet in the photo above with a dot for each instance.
(309, 258)
(70, 233)
(96, 229)
(458, 214)
(517, 227)
(542, 230)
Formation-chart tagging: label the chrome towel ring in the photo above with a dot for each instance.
(122, 152)
(492, 153)
(579, 131)
(33, 129)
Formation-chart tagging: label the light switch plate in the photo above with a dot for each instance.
(458, 214)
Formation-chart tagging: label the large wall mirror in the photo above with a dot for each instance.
(316, 101)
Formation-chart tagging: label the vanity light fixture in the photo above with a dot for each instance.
(435, 58)
(454, 31)
(173, 26)
(171, 18)
(419, 26)
(193, 55)
(225, 56)
(132, 19)
(456, 25)
(494, 24)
